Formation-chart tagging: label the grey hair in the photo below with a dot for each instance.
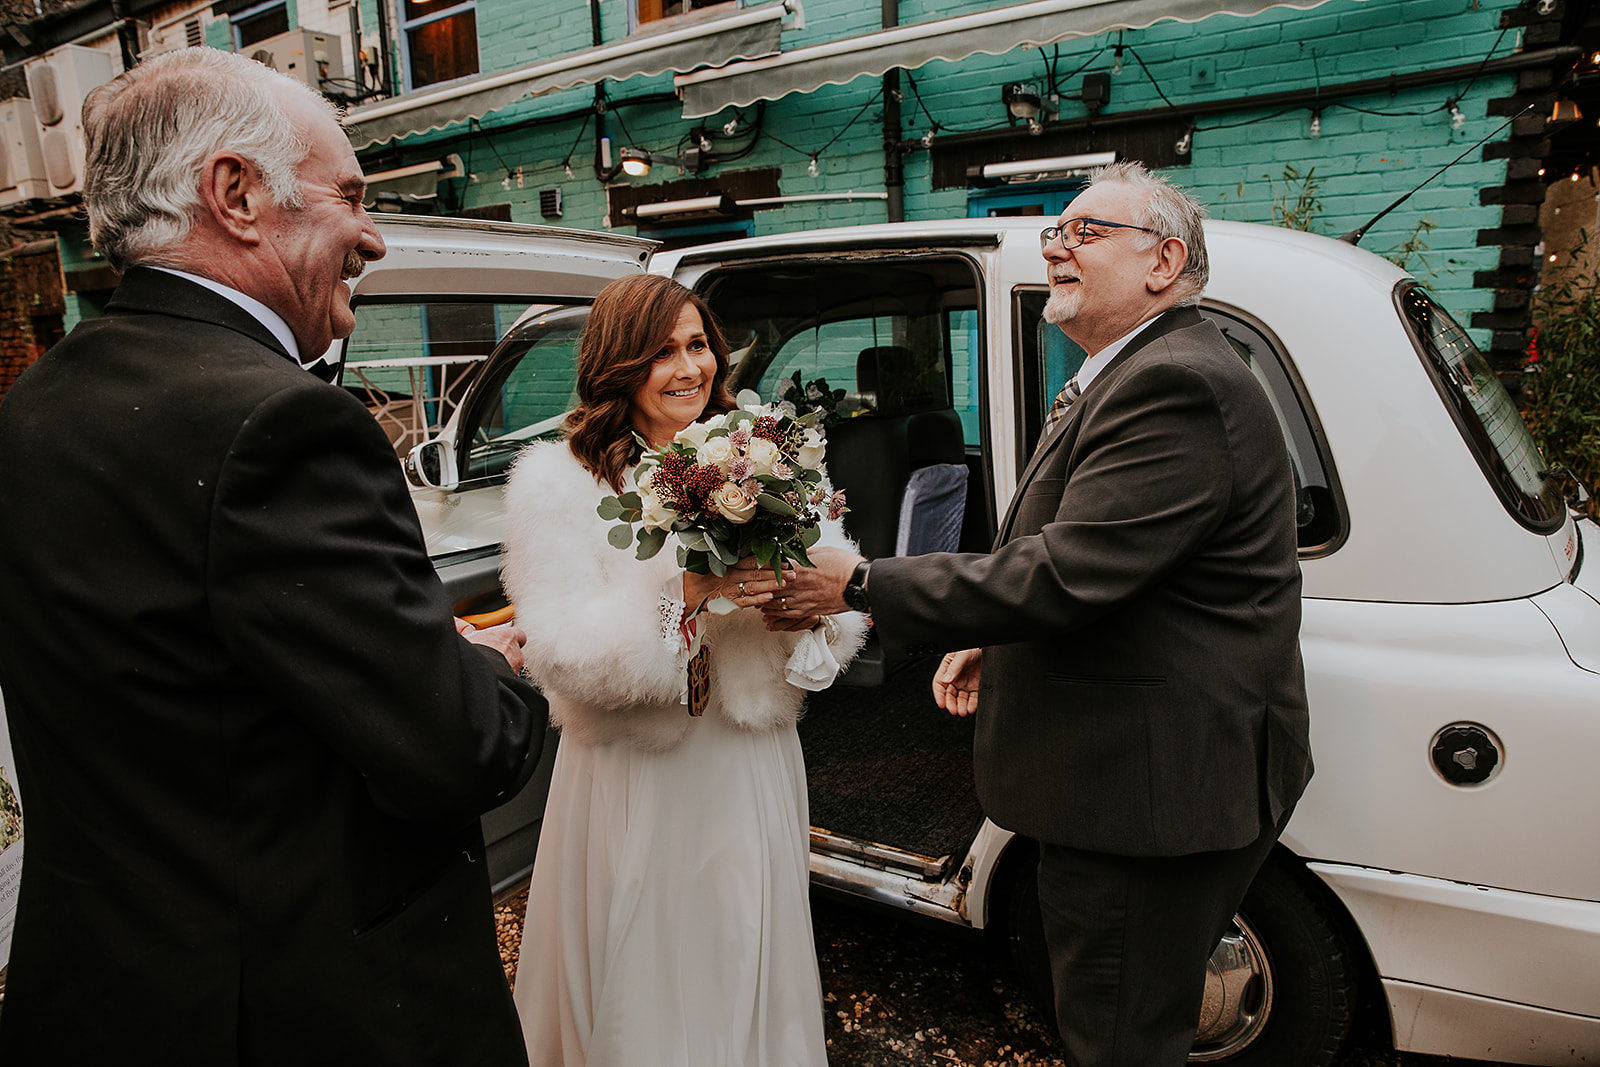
(149, 131)
(1170, 212)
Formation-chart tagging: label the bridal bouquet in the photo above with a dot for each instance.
(748, 483)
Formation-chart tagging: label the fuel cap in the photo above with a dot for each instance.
(1465, 753)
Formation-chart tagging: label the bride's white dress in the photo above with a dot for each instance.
(668, 921)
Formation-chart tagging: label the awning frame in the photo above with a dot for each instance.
(753, 32)
(993, 32)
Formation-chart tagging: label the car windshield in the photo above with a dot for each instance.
(1484, 411)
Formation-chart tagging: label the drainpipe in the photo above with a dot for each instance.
(894, 171)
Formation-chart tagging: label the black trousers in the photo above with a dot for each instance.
(1129, 939)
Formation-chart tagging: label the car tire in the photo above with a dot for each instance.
(1282, 985)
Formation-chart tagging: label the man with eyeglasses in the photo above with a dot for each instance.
(1142, 710)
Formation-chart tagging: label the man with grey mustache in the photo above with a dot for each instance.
(252, 744)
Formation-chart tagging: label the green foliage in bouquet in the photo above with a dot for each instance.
(812, 398)
(748, 483)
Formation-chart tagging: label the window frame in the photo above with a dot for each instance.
(407, 25)
(636, 24)
(251, 12)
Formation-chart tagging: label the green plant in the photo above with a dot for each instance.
(1297, 205)
(1561, 379)
(1415, 245)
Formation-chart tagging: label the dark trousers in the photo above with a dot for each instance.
(1129, 939)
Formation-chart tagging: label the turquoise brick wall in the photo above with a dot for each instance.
(1371, 148)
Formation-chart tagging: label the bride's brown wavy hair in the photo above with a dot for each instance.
(631, 320)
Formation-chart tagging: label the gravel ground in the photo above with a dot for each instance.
(898, 990)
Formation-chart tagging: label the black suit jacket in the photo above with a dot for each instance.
(251, 747)
(1142, 690)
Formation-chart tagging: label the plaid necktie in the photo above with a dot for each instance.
(1063, 401)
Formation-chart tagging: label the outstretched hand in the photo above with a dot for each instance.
(955, 683)
(812, 591)
(505, 639)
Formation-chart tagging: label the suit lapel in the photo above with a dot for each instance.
(1170, 321)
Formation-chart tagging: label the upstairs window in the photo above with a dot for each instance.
(648, 11)
(441, 40)
(257, 23)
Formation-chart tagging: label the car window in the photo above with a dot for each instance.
(1484, 412)
(528, 388)
(1047, 358)
(411, 362)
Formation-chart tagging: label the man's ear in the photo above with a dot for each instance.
(1171, 257)
(233, 196)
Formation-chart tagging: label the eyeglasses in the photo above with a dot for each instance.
(1074, 232)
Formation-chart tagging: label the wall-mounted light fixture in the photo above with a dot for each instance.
(1046, 169)
(636, 162)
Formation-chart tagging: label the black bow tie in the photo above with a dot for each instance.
(328, 372)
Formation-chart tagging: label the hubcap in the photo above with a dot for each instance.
(1238, 998)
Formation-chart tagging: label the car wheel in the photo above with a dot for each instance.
(1280, 987)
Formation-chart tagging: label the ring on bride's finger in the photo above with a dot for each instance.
(741, 589)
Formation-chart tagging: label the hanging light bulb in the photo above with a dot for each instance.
(812, 168)
(927, 139)
(705, 142)
(1316, 125)
(731, 127)
(566, 165)
(1116, 62)
(1185, 142)
(505, 183)
(1457, 119)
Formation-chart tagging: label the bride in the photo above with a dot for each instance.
(668, 920)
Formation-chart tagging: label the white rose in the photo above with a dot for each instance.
(718, 450)
(812, 449)
(656, 515)
(763, 454)
(693, 435)
(732, 503)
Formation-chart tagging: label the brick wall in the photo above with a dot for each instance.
(1372, 147)
(31, 307)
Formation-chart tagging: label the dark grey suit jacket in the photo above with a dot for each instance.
(1142, 687)
(251, 746)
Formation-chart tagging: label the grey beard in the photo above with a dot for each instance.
(1062, 305)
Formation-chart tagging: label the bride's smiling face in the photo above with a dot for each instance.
(679, 386)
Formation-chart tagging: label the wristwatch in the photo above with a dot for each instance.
(855, 590)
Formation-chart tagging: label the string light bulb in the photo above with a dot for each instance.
(1316, 125)
(1116, 61)
(1458, 121)
(812, 168)
(1185, 142)
(566, 165)
(731, 127)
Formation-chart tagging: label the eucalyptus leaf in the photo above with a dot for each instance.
(650, 542)
(610, 508)
(748, 398)
(631, 501)
(620, 536)
(775, 505)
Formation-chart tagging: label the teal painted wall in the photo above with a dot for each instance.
(1371, 149)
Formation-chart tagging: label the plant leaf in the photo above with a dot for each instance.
(775, 505)
(620, 536)
(650, 542)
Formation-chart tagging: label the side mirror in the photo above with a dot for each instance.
(432, 465)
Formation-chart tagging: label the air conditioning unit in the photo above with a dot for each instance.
(58, 81)
(22, 176)
(304, 55)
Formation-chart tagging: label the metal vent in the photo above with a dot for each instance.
(550, 203)
(193, 35)
(58, 161)
(44, 87)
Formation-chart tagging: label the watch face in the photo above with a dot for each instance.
(856, 597)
